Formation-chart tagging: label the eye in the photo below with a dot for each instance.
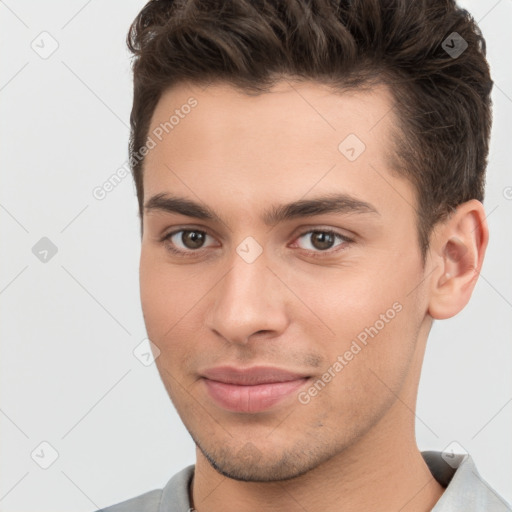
(321, 241)
(190, 242)
(185, 241)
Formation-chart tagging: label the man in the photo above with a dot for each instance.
(310, 177)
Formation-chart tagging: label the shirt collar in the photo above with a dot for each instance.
(465, 489)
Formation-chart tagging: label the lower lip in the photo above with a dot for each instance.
(251, 398)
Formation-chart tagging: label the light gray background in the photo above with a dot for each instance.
(69, 326)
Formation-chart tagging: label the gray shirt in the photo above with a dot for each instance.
(465, 490)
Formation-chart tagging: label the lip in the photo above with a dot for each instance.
(250, 376)
(252, 389)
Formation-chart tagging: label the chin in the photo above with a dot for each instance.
(249, 464)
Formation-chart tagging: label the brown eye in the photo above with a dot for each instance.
(185, 241)
(322, 240)
(192, 239)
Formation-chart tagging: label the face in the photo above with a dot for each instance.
(285, 333)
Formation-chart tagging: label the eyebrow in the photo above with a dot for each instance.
(331, 203)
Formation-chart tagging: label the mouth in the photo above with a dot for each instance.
(251, 390)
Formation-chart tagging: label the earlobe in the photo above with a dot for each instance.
(458, 251)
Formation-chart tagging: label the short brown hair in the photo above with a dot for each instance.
(442, 99)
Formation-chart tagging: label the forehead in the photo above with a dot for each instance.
(297, 137)
(291, 116)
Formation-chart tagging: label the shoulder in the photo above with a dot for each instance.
(173, 496)
(147, 502)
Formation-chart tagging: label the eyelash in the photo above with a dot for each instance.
(315, 254)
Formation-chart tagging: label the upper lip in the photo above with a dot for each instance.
(250, 376)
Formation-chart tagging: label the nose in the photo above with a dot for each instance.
(249, 300)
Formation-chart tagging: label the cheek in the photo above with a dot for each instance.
(171, 306)
(163, 295)
(367, 365)
(166, 293)
(152, 294)
(370, 313)
(349, 300)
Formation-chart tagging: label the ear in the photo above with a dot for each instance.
(457, 252)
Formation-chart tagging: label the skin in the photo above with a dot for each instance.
(352, 446)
